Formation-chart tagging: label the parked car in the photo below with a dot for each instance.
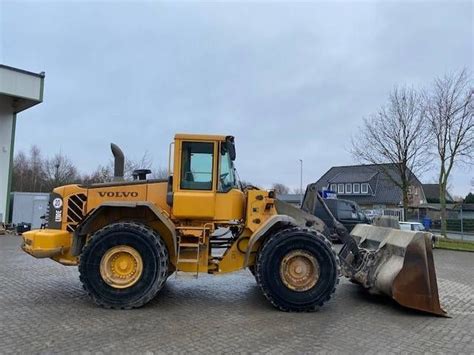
(412, 226)
(345, 211)
(416, 227)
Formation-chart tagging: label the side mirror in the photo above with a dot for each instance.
(230, 147)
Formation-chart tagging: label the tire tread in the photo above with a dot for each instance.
(266, 291)
(148, 233)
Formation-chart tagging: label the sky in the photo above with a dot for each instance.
(289, 80)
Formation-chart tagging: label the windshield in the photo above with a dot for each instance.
(226, 172)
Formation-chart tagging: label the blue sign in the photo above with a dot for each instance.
(329, 194)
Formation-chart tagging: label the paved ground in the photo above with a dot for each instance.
(44, 309)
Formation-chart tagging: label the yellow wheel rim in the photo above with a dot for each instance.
(121, 266)
(299, 270)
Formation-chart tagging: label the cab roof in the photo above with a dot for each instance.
(200, 137)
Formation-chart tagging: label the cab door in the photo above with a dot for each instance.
(194, 191)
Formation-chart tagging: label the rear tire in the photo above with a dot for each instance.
(145, 245)
(310, 252)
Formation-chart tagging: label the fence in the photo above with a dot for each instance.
(394, 212)
(454, 225)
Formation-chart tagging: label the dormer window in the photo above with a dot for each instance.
(340, 188)
(356, 188)
(348, 188)
(333, 188)
(364, 188)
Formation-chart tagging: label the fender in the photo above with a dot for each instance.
(79, 236)
(277, 220)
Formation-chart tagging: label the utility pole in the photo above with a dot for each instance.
(301, 182)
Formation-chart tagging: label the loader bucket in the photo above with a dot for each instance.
(398, 264)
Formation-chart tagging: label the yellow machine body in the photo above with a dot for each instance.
(191, 213)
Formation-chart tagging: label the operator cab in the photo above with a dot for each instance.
(203, 171)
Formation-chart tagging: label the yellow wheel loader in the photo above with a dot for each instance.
(128, 237)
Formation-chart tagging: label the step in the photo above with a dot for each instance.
(189, 245)
(190, 228)
(188, 260)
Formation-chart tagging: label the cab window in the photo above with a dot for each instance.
(346, 210)
(226, 172)
(196, 165)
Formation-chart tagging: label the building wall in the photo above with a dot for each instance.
(466, 214)
(374, 206)
(7, 122)
(416, 195)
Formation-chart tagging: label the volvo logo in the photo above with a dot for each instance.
(118, 194)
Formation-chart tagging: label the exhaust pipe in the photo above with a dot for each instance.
(119, 162)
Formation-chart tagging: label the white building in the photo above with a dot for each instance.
(19, 90)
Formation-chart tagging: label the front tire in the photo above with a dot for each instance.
(124, 265)
(297, 270)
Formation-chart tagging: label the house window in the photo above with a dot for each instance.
(333, 187)
(356, 188)
(340, 188)
(364, 188)
(348, 188)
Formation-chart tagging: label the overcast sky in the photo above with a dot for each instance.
(289, 81)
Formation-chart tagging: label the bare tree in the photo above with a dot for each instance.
(280, 189)
(99, 175)
(159, 173)
(37, 169)
(20, 172)
(29, 171)
(449, 107)
(145, 162)
(60, 171)
(395, 135)
(299, 191)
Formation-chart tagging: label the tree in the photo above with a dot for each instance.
(37, 169)
(449, 107)
(20, 172)
(159, 173)
(60, 171)
(395, 135)
(469, 198)
(145, 162)
(99, 175)
(29, 171)
(33, 173)
(280, 189)
(299, 191)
